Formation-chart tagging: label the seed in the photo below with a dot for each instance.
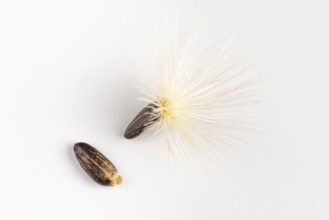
(143, 119)
(96, 165)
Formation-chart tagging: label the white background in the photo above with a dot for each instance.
(66, 76)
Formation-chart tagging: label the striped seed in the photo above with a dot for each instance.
(143, 120)
(96, 165)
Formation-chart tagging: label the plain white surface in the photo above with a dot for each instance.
(65, 76)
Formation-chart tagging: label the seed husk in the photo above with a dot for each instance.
(143, 120)
(96, 165)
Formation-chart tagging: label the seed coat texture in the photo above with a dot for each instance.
(145, 118)
(96, 165)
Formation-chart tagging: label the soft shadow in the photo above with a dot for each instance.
(117, 103)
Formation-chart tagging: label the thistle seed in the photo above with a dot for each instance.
(96, 165)
(143, 119)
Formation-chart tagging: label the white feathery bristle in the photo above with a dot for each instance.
(205, 94)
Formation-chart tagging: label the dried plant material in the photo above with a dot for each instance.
(96, 165)
(202, 98)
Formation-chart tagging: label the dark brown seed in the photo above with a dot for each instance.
(144, 119)
(96, 165)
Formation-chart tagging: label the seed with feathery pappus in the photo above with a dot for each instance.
(96, 165)
(201, 96)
